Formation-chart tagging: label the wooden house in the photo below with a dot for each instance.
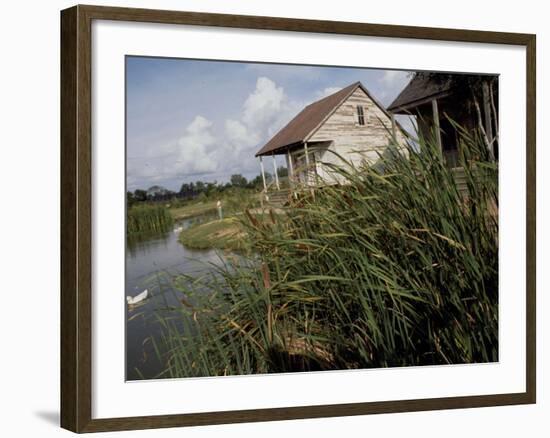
(439, 101)
(347, 126)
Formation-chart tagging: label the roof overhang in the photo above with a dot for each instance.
(407, 108)
(281, 150)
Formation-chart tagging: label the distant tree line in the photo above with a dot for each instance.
(192, 190)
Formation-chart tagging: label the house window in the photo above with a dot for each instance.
(360, 115)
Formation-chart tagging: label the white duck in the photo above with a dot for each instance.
(138, 298)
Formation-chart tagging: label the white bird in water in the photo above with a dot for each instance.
(138, 298)
(178, 229)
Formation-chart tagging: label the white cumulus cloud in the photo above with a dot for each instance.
(262, 106)
(195, 148)
(265, 110)
(239, 135)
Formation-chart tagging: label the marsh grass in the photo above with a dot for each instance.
(148, 219)
(234, 201)
(224, 234)
(396, 267)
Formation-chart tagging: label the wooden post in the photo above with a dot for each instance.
(220, 212)
(307, 163)
(275, 171)
(289, 165)
(290, 171)
(436, 126)
(307, 168)
(263, 173)
(315, 169)
(393, 129)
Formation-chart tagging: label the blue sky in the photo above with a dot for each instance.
(190, 120)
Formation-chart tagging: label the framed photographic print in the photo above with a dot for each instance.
(268, 218)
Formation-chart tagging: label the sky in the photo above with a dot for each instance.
(190, 120)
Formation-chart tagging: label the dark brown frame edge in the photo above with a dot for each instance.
(76, 172)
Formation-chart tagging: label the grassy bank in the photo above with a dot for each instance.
(193, 210)
(148, 219)
(233, 201)
(221, 234)
(229, 233)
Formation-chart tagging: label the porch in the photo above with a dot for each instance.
(304, 169)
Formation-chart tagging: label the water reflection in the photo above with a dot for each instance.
(151, 263)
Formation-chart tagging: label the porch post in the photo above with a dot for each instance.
(290, 171)
(289, 164)
(307, 168)
(436, 126)
(275, 171)
(393, 128)
(307, 162)
(263, 173)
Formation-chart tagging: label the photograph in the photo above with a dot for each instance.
(308, 218)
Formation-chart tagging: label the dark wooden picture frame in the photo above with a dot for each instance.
(76, 218)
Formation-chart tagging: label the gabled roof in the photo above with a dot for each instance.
(419, 90)
(304, 125)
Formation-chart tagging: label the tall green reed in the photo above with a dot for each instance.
(148, 219)
(397, 266)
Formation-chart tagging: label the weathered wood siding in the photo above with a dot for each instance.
(359, 144)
